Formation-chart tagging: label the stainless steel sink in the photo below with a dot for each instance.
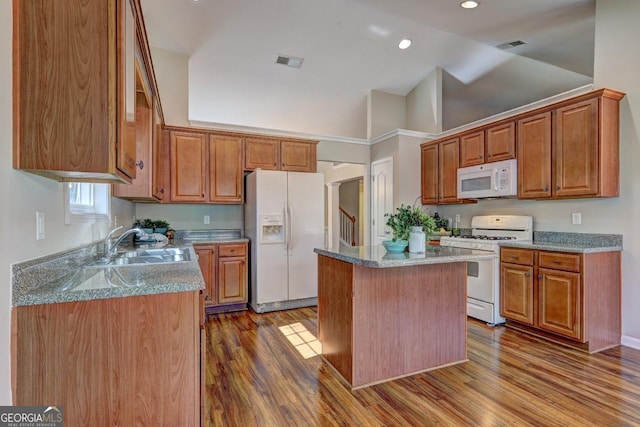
(144, 256)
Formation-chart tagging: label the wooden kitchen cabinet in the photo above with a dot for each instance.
(516, 295)
(472, 149)
(206, 168)
(207, 255)
(73, 97)
(276, 154)
(298, 156)
(571, 149)
(439, 168)
(188, 167)
(429, 174)
(486, 145)
(571, 298)
(263, 153)
(224, 269)
(534, 156)
(119, 361)
(226, 175)
(500, 142)
(141, 188)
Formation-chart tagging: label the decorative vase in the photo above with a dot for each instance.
(417, 240)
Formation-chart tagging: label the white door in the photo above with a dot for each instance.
(381, 199)
(306, 232)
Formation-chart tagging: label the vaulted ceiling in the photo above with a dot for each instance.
(350, 47)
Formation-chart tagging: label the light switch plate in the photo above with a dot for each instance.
(40, 225)
(207, 219)
(576, 218)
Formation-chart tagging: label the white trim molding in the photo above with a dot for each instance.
(630, 342)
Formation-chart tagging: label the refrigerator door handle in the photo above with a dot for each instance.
(286, 228)
(290, 244)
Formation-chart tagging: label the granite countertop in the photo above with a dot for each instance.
(67, 277)
(570, 242)
(378, 257)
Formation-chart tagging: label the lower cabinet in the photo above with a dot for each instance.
(224, 269)
(120, 361)
(572, 298)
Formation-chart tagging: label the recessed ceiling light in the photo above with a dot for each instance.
(404, 43)
(469, 4)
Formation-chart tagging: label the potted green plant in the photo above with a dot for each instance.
(401, 223)
(160, 226)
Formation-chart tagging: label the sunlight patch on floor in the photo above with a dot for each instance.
(303, 340)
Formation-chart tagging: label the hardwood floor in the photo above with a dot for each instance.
(256, 377)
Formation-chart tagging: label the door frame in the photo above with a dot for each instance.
(387, 162)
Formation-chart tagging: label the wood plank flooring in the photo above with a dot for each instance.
(256, 377)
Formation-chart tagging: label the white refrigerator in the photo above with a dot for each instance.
(284, 218)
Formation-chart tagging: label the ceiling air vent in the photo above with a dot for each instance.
(511, 45)
(289, 61)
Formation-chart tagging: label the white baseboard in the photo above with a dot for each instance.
(630, 342)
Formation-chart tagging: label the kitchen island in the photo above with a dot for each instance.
(383, 316)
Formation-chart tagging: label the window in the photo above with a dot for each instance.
(85, 202)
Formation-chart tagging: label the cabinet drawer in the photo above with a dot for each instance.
(516, 256)
(226, 250)
(559, 261)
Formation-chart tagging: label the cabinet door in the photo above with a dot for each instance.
(207, 260)
(140, 187)
(232, 280)
(516, 292)
(500, 143)
(559, 302)
(448, 171)
(225, 169)
(261, 153)
(575, 153)
(472, 149)
(534, 156)
(159, 156)
(126, 147)
(429, 174)
(188, 167)
(297, 156)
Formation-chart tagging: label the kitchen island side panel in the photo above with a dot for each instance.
(335, 310)
(408, 320)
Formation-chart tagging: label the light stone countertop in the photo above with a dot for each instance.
(563, 247)
(67, 277)
(569, 242)
(378, 257)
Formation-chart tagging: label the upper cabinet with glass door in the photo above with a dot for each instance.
(74, 89)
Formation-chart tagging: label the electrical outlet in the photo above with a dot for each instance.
(576, 218)
(40, 225)
(207, 219)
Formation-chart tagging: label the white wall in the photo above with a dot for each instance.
(616, 24)
(22, 194)
(385, 112)
(424, 104)
(172, 74)
(191, 216)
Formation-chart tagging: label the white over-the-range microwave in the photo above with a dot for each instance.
(497, 179)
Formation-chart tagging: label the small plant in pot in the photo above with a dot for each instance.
(401, 222)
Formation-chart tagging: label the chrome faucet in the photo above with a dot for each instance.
(110, 247)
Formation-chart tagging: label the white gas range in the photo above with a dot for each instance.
(483, 277)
